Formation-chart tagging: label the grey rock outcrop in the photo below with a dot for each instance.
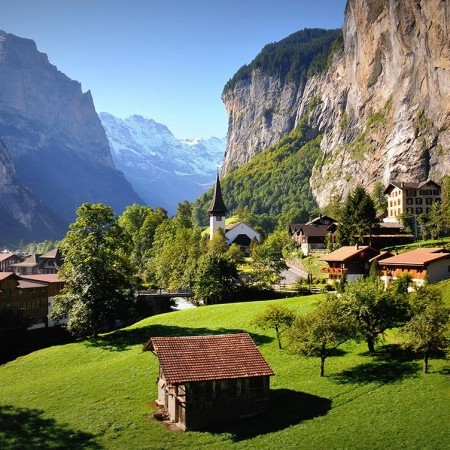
(22, 216)
(53, 134)
(383, 107)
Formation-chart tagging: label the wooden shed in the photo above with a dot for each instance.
(206, 381)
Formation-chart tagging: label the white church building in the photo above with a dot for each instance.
(238, 233)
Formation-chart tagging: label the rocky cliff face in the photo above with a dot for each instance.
(21, 214)
(53, 133)
(383, 106)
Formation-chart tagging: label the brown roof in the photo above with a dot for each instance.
(316, 230)
(46, 278)
(408, 185)
(347, 252)
(50, 254)
(28, 284)
(6, 255)
(417, 257)
(382, 255)
(201, 358)
(5, 275)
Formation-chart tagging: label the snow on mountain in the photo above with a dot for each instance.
(162, 169)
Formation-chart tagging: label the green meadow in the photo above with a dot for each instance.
(99, 393)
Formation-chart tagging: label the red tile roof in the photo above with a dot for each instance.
(417, 257)
(202, 358)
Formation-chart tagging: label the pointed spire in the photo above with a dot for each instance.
(217, 207)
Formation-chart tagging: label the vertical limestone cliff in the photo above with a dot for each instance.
(383, 107)
(53, 134)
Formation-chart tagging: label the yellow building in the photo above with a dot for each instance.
(412, 199)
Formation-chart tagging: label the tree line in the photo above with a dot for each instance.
(107, 259)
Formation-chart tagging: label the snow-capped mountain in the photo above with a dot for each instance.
(162, 169)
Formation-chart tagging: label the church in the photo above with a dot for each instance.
(238, 233)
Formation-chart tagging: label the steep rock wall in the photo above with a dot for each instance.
(383, 107)
(53, 134)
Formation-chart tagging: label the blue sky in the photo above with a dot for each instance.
(167, 60)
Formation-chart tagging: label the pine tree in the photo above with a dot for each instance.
(358, 217)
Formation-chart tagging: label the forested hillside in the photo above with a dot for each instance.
(275, 182)
(294, 58)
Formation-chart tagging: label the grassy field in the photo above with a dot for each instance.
(99, 393)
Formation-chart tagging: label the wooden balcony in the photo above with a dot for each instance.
(334, 271)
(415, 274)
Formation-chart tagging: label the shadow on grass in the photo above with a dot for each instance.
(390, 364)
(287, 408)
(22, 428)
(122, 340)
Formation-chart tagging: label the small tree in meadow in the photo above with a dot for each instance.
(321, 332)
(277, 317)
(428, 329)
(373, 309)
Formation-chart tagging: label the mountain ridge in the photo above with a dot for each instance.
(163, 170)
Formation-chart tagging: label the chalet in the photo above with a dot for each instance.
(7, 259)
(239, 233)
(28, 266)
(312, 236)
(412, 199)
(422, 263)
(31, 294)
(50, 262)
(28, 296)
(352, 262)
(55, 285)
(205, 381)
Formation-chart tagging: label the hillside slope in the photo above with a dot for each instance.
(99, 393)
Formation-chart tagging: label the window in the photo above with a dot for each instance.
(418, 201)
(410, 210)
(409, 201)
(436, 192)
(428, 200)
(419, 210)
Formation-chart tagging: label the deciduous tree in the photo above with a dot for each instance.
(277, 317)
(216, 279)
(99, 286)
(321, 332)
(428, 329)
(373, 309)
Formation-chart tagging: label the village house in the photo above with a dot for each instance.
(50, 262)
(28, 266)
(32, 294)
(54, 287)
(28, 296)
(351, 262)
(7, 259)
(412, 199)
(206, 381)
(432, 264)
(312, 236)
(239, 233)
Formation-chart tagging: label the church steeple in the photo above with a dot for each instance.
(217, 207)
(217, 210)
